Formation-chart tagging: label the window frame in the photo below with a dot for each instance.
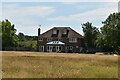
(73, 40)
(64, 31)
(40, 39)
(49, 39)
(54, 31)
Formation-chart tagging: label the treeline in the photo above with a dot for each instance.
(12, 41)
(105, 39)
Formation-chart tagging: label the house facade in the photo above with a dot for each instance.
(60, 39)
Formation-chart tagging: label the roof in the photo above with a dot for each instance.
(56, 42)
(71, 33)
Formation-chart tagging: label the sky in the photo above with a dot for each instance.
(27, 16)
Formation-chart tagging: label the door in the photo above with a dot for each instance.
(49, 48)
(41, 48)
(58, 48)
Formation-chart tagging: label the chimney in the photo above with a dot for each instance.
(38, 31)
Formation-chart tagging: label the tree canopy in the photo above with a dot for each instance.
(109, 38)
(9, 38)
(90, 34)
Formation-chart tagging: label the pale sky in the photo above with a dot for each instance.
(27, 16)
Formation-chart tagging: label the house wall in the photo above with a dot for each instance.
(75, 46)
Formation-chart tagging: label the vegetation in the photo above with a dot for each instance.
(27, 42)
(58, 65)
(11, 41)
(9, 38)
(109, 38)
(28, 45)
(90, 34)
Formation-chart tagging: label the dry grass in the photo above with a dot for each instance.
(58, 65)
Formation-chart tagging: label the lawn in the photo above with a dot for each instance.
(58, 65)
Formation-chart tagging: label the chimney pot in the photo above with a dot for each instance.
(38, 31)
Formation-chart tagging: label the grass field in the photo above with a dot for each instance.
(58, 65)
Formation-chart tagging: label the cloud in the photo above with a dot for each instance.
(90, 15)
(15, 10)
(26, 17)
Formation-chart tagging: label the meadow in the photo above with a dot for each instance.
(18, 64)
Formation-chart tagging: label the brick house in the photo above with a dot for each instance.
(60, 39)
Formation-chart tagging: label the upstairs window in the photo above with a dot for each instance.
(54, 31)
(72, 40)
(40, 39)
(64, 31)
(71, 47)
(49, 39)
(60, 39)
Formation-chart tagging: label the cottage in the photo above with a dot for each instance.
(60, 39)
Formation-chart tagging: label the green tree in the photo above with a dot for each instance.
(9, 38)
(109, 38)
(90, 34)
(21, 37)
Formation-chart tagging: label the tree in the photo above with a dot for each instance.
(21, 36)
(9, 38)
(90, 34)
(109, 38)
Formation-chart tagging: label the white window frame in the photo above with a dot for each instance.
(41, 48)
(64, 31)
(73, 40)
(58, 48)
(54, 31)
(49, 48)
(49, 39)
(40, 39)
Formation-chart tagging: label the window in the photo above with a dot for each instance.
(49, 48)
(55, 42)
(71, 47)
(58, 48)
(64, 31)
(40, 39)
(41, 48)
(54, 31)
(61, 39)
(49, 39)
(72, 40)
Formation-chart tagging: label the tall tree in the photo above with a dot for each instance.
(9, 38)
(90, 34)
(109, 39)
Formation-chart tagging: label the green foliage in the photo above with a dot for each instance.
(110, 33)
(90, 34)
(9, 38)
(21, 37)
(28, 44)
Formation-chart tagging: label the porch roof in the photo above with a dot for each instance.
(56, 42)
